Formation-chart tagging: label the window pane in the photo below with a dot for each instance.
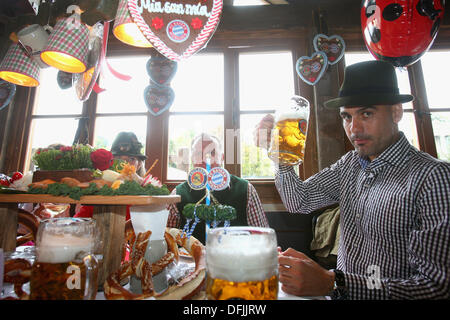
(124, 96)
(435, 71)
(441, 129)
(408, 126)
(51, 99)
(199, 84)
(266, 80)
(254, 161)
(107, 128)
(182, 129)
(45, 132)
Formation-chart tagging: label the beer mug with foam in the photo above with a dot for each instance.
(241, 263)
(65, 267)
(287, 145)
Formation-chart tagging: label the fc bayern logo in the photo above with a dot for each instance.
(178, 31)
(218, 178)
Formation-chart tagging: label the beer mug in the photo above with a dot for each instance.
(287, 145)
(65, 267)
(241, 263)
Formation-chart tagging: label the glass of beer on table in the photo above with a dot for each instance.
(241, 264)
(65, 267)
(287, 145)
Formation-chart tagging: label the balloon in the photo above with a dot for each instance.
(400, 31)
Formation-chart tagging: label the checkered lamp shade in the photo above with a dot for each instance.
(126, 30)
(18, 68)
(67, 47)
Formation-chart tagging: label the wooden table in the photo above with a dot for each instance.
(109, 211)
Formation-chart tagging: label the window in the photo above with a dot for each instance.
(55, 115)
(435, 71)
(121, 107)
(198, 108)
(266, 83)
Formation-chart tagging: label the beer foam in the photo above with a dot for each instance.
(54, 248)
(302, 113)
(242, 258)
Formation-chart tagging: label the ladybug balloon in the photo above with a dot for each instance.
(400, 31)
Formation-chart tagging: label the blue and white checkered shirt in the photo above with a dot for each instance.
(395, 220)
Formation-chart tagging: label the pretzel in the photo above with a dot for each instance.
(193, 283)
(17, 272)
(138, 265)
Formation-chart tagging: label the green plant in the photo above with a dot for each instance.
(64, 158)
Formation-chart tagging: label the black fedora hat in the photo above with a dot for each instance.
(127, 144)
(369, 83)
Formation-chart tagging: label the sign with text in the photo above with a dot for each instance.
(177, 29)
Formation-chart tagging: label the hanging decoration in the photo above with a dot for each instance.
(159, 96)
(311, 69)
(84, 82)
(19, 68)
(179, 28)
(333, 46)
(126, 30)
(7, 92)
(212, 212)
(400, 32)
(161, 70)
(64, 79)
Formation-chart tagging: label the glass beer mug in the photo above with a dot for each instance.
(65, 267)
(287, 145)
(241, 263)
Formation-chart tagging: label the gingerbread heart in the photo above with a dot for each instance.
(333, 46)
(161, 70)
(177, 28)
(311, 69)
(7, 92)
(158, 98)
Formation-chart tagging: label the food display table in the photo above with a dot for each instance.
(109, 212)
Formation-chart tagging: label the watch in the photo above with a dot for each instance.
(339, 290)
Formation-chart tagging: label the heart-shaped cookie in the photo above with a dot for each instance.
(158, 98)
(161, 70)
(311, 69)
(333, 46)
(7, 92)
(177, 28)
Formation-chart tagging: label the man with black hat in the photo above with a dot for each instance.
(394, 202)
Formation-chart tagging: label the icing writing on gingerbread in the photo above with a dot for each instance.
(176, 8)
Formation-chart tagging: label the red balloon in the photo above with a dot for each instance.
(400, 31)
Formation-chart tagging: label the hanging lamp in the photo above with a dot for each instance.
(126, 30)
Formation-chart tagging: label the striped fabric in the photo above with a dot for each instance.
(255, 213)
(17, 61)
(70, 37)
(395, 220)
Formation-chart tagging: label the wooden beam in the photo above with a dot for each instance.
(422, 112)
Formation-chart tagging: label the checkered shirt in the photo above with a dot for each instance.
(395, 220)
(255, 213)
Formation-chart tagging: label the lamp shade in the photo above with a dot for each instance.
(18, 68)
(67, 46)
(126, 30)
